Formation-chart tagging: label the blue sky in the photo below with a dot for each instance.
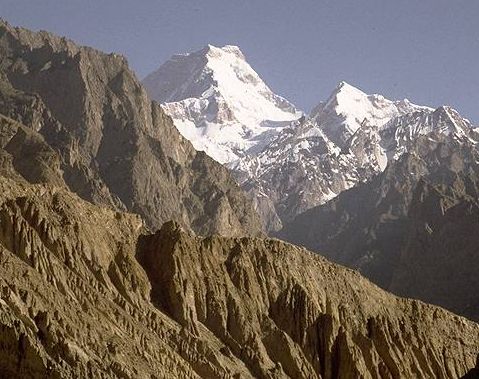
(425, 50)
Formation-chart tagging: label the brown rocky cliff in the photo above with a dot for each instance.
(75, 302)
(25, 154)
(284, 310)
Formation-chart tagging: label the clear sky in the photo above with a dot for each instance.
(425, 50)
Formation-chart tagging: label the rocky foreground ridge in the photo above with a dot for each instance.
(87, 292)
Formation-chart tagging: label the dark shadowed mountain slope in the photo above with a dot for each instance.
(115, 146)
(412, 229)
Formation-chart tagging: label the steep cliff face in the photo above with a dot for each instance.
(74, 302)
(286, 311)
(86, 293)
(438, 261)
(25, 155)
(115, 146)
(412, 229)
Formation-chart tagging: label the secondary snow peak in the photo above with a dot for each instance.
(216, 51)
(348, 108)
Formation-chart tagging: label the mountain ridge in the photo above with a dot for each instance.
(308, 160)
(303, 167)
(122, 302)
(116, 147)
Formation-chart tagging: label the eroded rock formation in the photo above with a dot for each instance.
(86, 293)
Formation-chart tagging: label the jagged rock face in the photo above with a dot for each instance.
(26, 156)
(300, 169)
(85, 293)
(74, 301)
(115, 146)
(412, 229)
(286, 312)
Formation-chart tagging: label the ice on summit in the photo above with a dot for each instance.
(219, 102)
(348, 108)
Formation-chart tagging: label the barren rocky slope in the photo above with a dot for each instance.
(114, 145)
(85, 293)
(412, 229)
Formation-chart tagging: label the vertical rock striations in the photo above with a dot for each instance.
(288, 313)
(85, 293)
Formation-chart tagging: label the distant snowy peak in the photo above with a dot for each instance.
(194, 74)
(347, 140)
(219, 102)
(348, 108)
(399, 135)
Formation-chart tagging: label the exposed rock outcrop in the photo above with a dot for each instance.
(284, 310)
(85, 293)
(75, 302)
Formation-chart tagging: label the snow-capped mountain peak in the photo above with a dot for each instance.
(346, 93)
(450, 121)
(347, 140)
(289, 163)
(348, 108)
(219, 102)
(215, 51)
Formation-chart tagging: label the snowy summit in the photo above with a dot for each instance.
(219, 103)
(347, 108)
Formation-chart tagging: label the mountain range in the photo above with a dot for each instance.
(113, 146)
(302, 162)
(127, 253)
(352, 179)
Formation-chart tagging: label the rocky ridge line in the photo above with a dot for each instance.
(85, 291)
